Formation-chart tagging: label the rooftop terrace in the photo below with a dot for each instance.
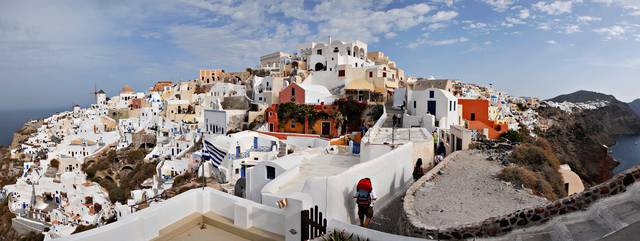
(319, 166)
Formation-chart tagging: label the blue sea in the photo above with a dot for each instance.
(13, 120)
(627, 152)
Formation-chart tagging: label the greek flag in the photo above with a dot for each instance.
(213, 154)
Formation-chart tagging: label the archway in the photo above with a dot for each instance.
(319, 67)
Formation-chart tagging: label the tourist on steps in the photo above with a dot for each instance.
(365, 197)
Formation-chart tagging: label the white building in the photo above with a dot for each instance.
(233, 154)
(215, 122)
(275, 61)
(428, 107)
(327, 57)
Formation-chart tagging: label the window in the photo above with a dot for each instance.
(370, 74)
(319, 52)
(384, 74)
(455, 103)
(450, 105)
(473, 116)
(293, 123)
(293, 91)
(432, 94)
(271, 172)
(335, 50)
(414, 104)
(340, 73)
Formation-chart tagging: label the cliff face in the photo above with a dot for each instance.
(579, 138)
(635, 106)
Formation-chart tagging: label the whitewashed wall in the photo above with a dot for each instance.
(146, 224)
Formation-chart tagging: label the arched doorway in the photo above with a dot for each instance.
(319, 67)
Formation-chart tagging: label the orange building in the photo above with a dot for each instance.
(476, 114)
(325, 127)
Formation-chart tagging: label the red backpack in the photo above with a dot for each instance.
(364, 189)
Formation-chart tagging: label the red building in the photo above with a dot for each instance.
(292, 93)
(325, 126)
(476, 113)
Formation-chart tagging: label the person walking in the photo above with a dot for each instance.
(418, 172)
(365, 197)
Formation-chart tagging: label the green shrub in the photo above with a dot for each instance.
(514, 136)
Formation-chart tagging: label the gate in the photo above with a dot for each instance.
(313, 224)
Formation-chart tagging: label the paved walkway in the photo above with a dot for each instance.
(613, 219)
(469, 192)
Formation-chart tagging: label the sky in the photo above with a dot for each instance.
(54, 53)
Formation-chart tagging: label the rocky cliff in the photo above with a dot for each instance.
(580, 138)
(635, 106)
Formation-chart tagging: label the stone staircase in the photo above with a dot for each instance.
(391, 111)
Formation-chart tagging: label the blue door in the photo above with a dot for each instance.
(237, 151)
(242, 171)
(255, 142)
(431, 107)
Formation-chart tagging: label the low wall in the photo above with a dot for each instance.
(389, 173)
(525, 218)
(147, 223)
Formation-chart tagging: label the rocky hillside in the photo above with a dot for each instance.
(635, 106)
(580, 138)
(584, 96)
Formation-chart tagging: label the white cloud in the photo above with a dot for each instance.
(510, 22)
(544, 26)
(448, 41)
(554, 8)
(499, 5)
(632, 6)
(612, 32)
(588, 19)
(435, 26)
(571, 29)
(488, 42)
(390, 35)
(442, 16)
(552, 42)
(426, 40)
(524, 13)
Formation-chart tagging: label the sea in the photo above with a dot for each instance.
(13, 120)
(627, 152)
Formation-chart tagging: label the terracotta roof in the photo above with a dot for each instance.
(126, 89)
(359, 84)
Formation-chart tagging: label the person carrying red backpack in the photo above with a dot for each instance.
(365, 197)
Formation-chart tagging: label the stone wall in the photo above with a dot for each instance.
(497, 226)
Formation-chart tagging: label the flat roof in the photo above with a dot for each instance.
(399, 135)
(319, 166)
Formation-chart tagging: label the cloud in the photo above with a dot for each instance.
(588, 19)
(612, 32)
(442, 16)
(524, 13)
(552, 42)
(570, 29)
(632, 6)
(435, 26)
(424, 39)
(510, 22)
(556, 7)
(447, 41)
(499, 5)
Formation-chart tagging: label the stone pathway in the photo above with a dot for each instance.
(469, 192)
(613, 219)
